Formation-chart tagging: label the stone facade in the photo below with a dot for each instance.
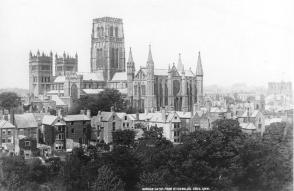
(173, 88)
(107, 46)
(149, 88)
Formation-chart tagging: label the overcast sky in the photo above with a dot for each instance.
(248, 41)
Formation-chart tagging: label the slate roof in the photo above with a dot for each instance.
(164, 72)
(156, 117)
(251, 114)
(78, 117)
(94, 76)
(106, 115)
(92, 91)
(57, 100)
(48, 119)
(26, 120)
(184, 114)
(121, 115)
(6, 124)
(248, 126)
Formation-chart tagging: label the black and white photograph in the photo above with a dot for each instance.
(146, 95)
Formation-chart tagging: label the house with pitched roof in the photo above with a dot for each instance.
(26, 124)
(104, 124)
(78, 128)
(169, 121)
(7, 135)
(53, 132)
(252, 121)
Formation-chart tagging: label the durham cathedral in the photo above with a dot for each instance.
(149, 88)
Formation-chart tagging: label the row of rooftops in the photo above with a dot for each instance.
(33, 120)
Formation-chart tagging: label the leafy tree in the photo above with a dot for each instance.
(152, 179)
(100, 102)
(125, 165)
(107, 181)
(123, 137)
(72, 172)
(267, 162)
(14, 172)
(37, 172)
(9, 100)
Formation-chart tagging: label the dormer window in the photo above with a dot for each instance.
(27, 143)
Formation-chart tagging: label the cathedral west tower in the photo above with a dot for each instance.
(107, 47)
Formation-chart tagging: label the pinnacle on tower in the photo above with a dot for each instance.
(180, 64)
(199, 70)
(130, 60)
(150, 59)
(183, 70)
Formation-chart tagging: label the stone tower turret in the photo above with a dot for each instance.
(107, 46)
(40, 73)
(130, 75)
(184, 89)
(150, 96)
(65, 64)
(199, 80)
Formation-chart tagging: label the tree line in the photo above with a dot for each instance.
(223, 158)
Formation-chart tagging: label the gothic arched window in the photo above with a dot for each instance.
(116, 32)
(98, 31)
(111, 31)
(102, 31)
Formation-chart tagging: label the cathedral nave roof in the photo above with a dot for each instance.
(120, 76)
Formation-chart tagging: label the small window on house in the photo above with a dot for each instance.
(9, 140)
(124, 124)
(113, 126)
(126, 117)
(27, 143)
(3, 132)
(3, 140)
(113, 117)
(72, 130)
(127, 124)
(84, 122)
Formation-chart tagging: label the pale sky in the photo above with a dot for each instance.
(250, 41)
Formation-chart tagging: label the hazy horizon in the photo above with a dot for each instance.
(248, 42)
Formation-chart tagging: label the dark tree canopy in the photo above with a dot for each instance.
(123, 137)
(100, 102)
(107, 181)
(9, 100)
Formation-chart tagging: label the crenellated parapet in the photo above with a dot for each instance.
(65, 63)
(40, 57)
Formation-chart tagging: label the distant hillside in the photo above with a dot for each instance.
(19, 91)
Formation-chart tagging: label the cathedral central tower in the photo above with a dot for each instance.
(107, 46)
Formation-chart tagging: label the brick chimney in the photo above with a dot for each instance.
(163, 114)
(88, 113)
(112, 109)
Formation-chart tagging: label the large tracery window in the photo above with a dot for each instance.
(111, 31)
(116, 32)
